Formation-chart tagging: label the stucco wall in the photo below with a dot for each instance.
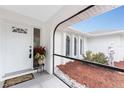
(60, 46)
(101, 44)
(95, 44)
(1, 66)
(122, 47)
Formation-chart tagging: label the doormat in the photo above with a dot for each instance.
(17, 80)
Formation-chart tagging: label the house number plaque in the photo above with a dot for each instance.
(19, 30)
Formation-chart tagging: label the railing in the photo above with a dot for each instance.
(93, 63)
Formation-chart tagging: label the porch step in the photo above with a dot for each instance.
(18, 73)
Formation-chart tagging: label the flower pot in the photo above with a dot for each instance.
(40, 62)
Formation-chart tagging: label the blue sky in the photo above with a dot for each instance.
(108, 21)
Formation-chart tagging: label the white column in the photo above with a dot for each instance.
(64, 43)
(71, 45)
(78, 46)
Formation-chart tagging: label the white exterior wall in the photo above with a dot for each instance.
(60, 46)
(1, 56)
(101, 44)
(95, 44)
(65, 60)
(122, 47)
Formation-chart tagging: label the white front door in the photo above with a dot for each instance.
(18, 47)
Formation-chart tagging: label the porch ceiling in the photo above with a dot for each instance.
(40, 12)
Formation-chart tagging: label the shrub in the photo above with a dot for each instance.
(97, 57)
(88, 56)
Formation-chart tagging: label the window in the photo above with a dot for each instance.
(81, 47)
(67, 46)
(75, 46)
(103, 51)
(36, 37)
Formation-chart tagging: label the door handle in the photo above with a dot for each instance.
(30, 53)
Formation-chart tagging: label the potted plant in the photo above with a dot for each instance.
(39, 55)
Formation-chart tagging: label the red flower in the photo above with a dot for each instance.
(41, 50)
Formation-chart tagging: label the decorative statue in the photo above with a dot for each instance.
(111, 53)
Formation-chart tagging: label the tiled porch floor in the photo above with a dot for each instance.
(42, 80)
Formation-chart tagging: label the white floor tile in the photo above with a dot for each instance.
(42, 80)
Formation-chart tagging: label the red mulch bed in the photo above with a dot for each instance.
(119, 64)
(93, 76)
